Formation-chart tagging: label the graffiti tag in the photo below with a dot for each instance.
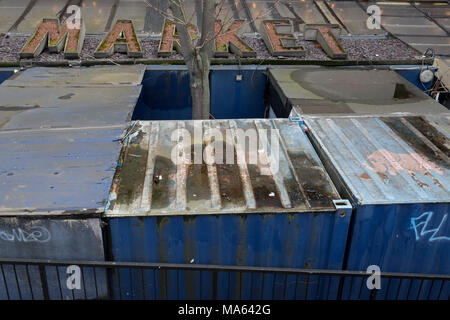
(34, 234)
(425, 228)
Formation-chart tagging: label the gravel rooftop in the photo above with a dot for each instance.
(357, 50)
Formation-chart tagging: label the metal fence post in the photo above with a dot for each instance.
(44, 282)
(373, 294)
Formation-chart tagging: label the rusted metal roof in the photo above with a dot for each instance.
(386, 159)
(148, 182)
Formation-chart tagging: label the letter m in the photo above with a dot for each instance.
(50, 34)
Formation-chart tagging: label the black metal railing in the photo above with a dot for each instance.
(22, 279)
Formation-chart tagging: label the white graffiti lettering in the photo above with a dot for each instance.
(34, 234)
(425, 228)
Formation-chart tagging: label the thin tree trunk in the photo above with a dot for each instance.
(197, 55)
(197, 86)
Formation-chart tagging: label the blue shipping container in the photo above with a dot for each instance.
(396, 171)
(239, 213)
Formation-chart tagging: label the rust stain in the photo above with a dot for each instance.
(365, 176)
(422, 184)
(436, 181)
(385, 176)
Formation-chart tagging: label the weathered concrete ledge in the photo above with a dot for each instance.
(87, 63)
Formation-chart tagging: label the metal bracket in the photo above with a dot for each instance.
(296, 119)
(342, 207)
(340, 232)
(300, 121)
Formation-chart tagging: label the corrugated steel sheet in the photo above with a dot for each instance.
(328, 91)
(396, 171)
(148, 182)
(223, 213)
(387, 159)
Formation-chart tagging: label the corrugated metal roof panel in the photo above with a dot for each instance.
(148, 182)
(386, 159)
(81, 76)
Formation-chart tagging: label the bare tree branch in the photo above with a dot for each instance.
(198, 49)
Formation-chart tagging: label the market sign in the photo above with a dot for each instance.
(277, 35)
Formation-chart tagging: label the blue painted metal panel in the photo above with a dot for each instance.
(165, 95)
(412, 238)
(418, 233)
(302, 240)
(232, 99)
(412, 74)
(5, 74)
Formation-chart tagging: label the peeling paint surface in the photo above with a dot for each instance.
(388, 159)
(395, 162)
